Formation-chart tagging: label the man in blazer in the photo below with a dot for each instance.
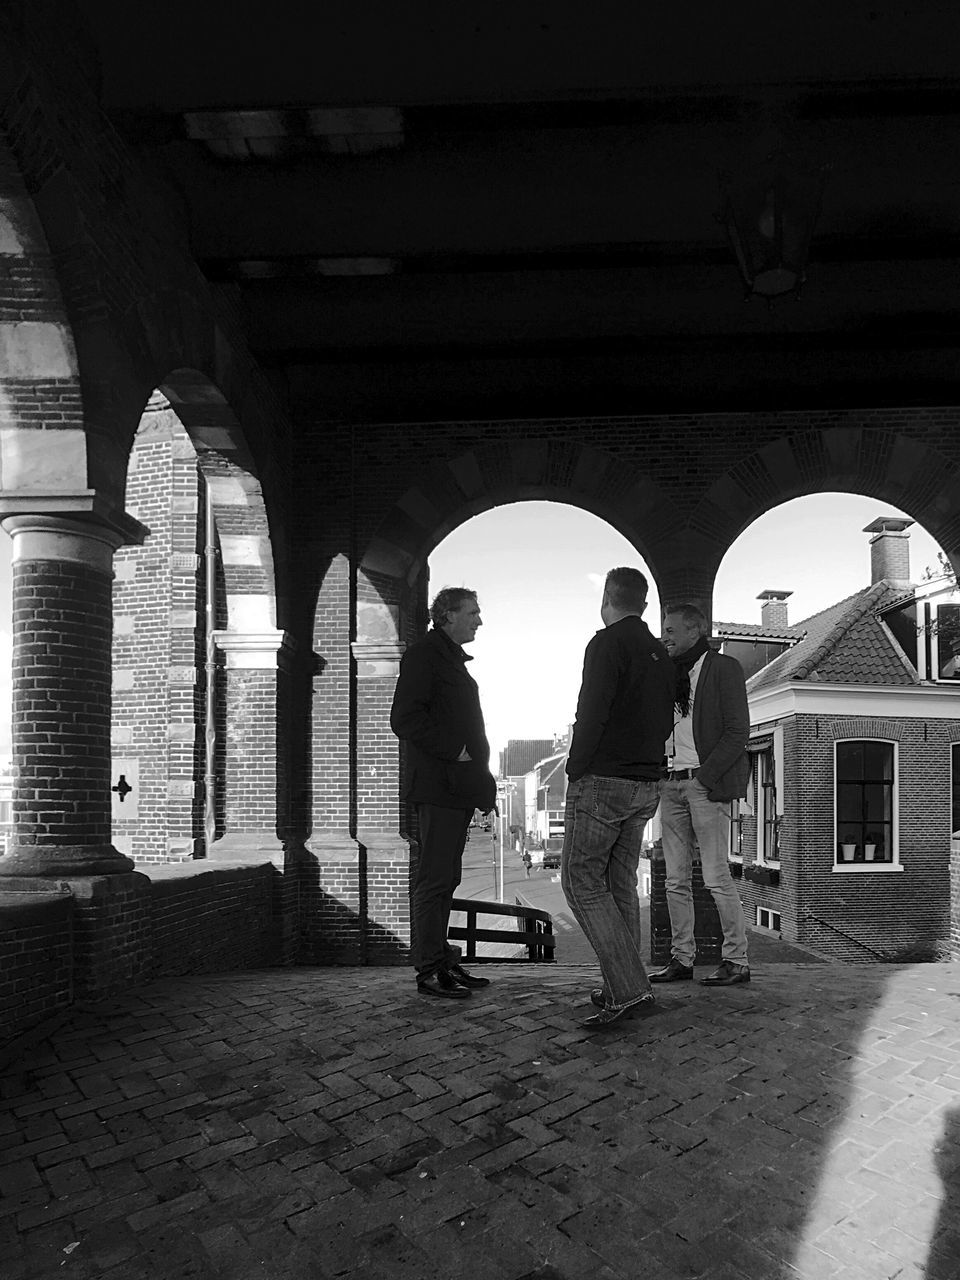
(707, 767)
(436, 714)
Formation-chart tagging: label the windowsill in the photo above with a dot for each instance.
(858, 868)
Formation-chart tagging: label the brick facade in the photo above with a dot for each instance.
(872, 912)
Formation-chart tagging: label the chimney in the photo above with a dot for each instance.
(773, 611)
(889, 549)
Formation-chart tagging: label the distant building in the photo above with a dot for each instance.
(521, 754)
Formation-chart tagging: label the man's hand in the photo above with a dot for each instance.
(495, 810)
(464, 756)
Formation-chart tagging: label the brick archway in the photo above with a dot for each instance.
(452, 490)
(874, 461)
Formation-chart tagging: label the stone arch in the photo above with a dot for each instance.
(214, 775)
(861, 458)
(453, 490)
(372, 602)
(239, 505)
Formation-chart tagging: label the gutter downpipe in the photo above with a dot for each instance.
(210, 720)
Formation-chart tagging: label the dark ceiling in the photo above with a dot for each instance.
(436, 210)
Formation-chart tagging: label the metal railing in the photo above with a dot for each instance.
(534, 930)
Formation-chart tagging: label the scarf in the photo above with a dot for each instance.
(683, 663)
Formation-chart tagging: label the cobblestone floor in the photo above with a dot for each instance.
(333, 1123)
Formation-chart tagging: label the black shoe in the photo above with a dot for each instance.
(674, 972)
(642, 1006)
(441, 984)
(464, 979)
(727, 975)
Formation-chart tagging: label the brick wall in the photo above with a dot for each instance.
(110, 933)
(209, 921)
(36, 958)
(867, 914)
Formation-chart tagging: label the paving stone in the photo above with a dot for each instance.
(805, 1129)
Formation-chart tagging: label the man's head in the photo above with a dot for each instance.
(624, 592)
(683, 625)
(455, 611)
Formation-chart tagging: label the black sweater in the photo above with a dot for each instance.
(625, 708)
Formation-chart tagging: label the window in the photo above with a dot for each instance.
(735, 846)
(945, 641)
(767, 919)
(865, 795)
(955, 798)
(768, 827)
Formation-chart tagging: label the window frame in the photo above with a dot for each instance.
(773, 915)
(859, 868)
(735, 816)
(767, 808)
(934, 631)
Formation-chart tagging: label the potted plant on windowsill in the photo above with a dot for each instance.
(847, 850)
(736, 869)
(871, 844)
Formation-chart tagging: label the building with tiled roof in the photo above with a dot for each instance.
(844, 839)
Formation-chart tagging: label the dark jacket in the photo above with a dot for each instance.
(436, 713)
(721, 727)
(625, 708)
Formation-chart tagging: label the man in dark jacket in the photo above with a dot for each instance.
(624, 714)
(707, 768)
(436, 714)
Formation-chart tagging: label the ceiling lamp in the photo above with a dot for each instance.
(769, 213)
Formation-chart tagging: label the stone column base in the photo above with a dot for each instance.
(64, 860)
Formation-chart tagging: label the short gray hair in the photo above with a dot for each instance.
(449, 600)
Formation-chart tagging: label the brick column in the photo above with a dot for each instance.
(385, 854)
(251, 783)
(62, 631)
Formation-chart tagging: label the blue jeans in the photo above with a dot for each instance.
(603, 830)
(689, 817)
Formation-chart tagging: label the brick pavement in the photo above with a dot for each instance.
(287, 1124)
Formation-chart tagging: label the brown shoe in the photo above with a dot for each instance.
(674, 972)
(727, 975)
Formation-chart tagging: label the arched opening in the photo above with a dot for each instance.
(168, 715)
(839, 607)
(538, 568)
(196, 652)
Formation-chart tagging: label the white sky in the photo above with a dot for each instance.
(538, 568)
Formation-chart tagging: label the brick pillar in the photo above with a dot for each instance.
(330, 878)
(385, 854)
(62, 627)
(250, 754)
(707, 932)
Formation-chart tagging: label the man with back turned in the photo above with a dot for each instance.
(624, 715)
